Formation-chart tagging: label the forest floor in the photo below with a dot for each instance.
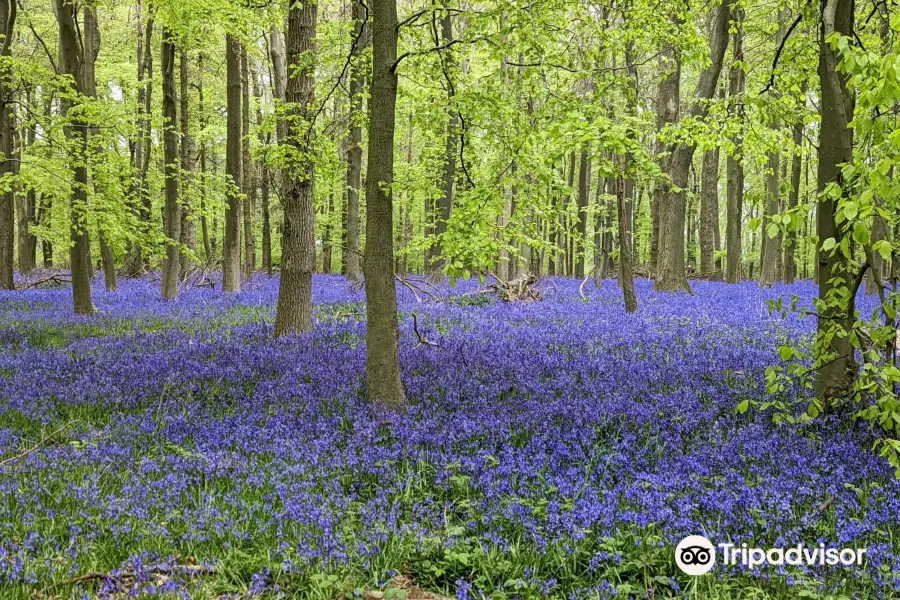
(553, 449)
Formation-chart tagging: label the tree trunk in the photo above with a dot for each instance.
(263, 177)
(204, 221)
(70, 61)
(835, 149)
(231, 251)
(140, 190)
(27, 215)
(626, 272)
(91, 51)
(790, 264)
(584, 183)
(188, 163)
(771, 246)
(7, 148)
(445, 202)
(671, 274)
(248, 175)
(172, 225)
(382, 343)
(709, 211)
(354, 147)
(298, 242)
(735, 163)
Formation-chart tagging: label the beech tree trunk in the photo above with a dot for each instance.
(771, 246)
(790, 242)
(91, 51)
(27, 213)
(584, 184)
(298, 242)
(188, 164)
(143, 145)
(709, 211)
(672, 274)
(835, 148)
(735, 163)
(204, 221)
(445, 202)
(248, 175)
(382, 343)
(231, 250)
(7, 148)
(354, 146)
(626, 271)
(172, 225)
(71, 58)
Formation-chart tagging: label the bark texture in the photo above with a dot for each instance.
(172, 225)
(231, 250)
(835, 148)
(735, 165)
(298, 241)
(672, 275)
(70, 61)
(382, 343)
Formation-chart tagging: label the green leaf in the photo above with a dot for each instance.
(742, 407)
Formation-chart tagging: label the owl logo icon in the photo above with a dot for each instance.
(695, 555)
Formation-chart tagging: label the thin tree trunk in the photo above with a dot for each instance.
(626, 272)
(771, 247)
(382, 343)
(263, 176)
(735, 163)
(204, 220)
(7, 148)
(231, 251)
(188, 164)
(143, 145)
(445, 202)
(248, 175)
(584, 184)
(172, 224)
(298, 258)
(91, 51)
(354, 146)
(709, 211)
(27, 212)
(790, 264)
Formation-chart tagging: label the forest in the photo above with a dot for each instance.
(449, 299)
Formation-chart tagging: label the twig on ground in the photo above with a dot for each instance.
(36, 447)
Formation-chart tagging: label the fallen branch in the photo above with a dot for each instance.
(53, 279)
(423, 341)
(36, 447)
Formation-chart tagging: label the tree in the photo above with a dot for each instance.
(172, 224)
(382, 335)
(709, 210)
(671, 274)
(70, 60)
(7, 136)
(231, 251)
(354, 146)
(298, 260)
(833, 376)
(735, 164)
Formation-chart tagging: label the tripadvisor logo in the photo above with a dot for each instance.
(696, 555)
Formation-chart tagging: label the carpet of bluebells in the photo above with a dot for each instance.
(555, 449)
